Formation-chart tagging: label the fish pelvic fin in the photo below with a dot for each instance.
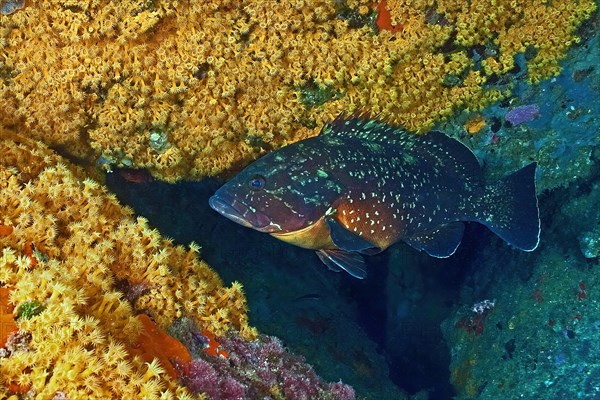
(349, 241)
(336, 260)
(511, 209)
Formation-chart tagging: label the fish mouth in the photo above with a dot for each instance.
(240, 213)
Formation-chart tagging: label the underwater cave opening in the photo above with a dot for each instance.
(399, 307)
(403, 302)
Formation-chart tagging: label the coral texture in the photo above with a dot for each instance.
(93, 288)
(189, 89)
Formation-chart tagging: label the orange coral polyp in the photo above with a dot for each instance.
(384, 18)
(475, 124)
(153, 343)
(5, 230)
(213, 347)
(7, 320)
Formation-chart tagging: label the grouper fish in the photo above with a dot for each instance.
(362, 185)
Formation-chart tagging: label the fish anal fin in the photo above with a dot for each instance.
(440, 242)
(347, 240)
(352, 263)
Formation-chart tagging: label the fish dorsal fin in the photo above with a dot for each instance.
(440, 242)
(432, 148)
(456, 153)
(362, 128)
(348, 241)
(352, 263)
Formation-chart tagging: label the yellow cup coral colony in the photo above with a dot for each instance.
(69, 256)
(189, 89)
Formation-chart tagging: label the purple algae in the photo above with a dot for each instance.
(521, 114)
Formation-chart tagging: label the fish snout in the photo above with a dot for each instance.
(240, 213)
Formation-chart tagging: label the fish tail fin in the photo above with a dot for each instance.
(512, 207)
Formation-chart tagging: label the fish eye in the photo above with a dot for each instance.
(256, 183)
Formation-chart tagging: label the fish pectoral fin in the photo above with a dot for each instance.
(440, 242)
(336, 260)
(348, 241)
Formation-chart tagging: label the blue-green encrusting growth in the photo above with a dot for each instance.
(29, 309)
(312, 94)
(158, 140)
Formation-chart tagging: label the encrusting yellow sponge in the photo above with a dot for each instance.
(93, 288)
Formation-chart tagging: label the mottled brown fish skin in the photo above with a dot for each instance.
(390, 183)
(361, 186)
